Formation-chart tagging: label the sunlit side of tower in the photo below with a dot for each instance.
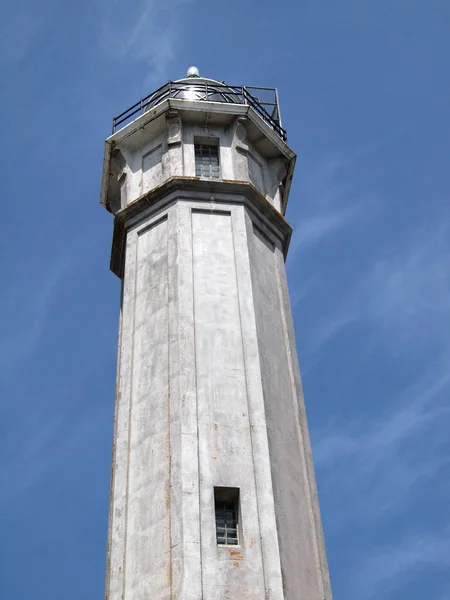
(213, 494)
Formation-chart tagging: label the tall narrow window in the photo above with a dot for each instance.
(206, 160)
(226, 502)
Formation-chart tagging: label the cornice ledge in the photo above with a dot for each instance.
(222, 189)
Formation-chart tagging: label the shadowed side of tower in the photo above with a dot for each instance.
(213, 494)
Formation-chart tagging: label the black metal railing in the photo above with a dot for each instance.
(264, 101)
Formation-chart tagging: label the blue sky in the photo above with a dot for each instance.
(364, 91)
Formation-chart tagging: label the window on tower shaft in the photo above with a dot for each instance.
(226, 504)
(207, 160)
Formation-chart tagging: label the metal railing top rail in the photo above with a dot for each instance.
(206, 91)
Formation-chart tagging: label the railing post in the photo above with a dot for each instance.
(278, 108)
(273, 119)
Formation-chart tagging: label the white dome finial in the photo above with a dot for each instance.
(193, 72)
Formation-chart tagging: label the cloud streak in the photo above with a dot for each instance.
(402, 296)
(400, 303)
(51, 433)
(146, 32)
(19, 31)
(30, 314)
(374, 466)
(335, 197)
(390, 567)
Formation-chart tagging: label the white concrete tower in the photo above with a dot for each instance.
(213, 494)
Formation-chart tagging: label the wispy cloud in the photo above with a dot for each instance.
(32, 292)
(403, 295)
(145, 31)
(336, 195)
(334, 202)
(415, 281)
(45, 410)
(387, 569)
(329, 212)
(19, 30)
(28, 303)
(373, 465)
(51, 433)
(400, 303)
(325, 222)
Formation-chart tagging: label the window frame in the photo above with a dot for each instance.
(200, 153)
(226, 500)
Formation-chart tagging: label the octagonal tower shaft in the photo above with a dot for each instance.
(213, 493)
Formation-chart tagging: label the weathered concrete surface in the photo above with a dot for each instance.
(165, 148)
(298, 522)
(225, 444)
(208, 386)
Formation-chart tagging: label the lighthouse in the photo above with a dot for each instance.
(213, 493)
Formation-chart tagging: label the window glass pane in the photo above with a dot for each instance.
(226, 523)
(206, 160)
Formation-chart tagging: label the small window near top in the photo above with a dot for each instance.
(226, 503)
(206, 160)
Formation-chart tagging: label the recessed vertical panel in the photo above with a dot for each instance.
(148, 561)
(152, 169)
(225, 447)
(255, 172)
